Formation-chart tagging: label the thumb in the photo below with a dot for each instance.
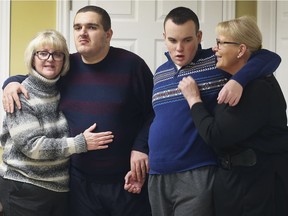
(127, 177)
(91, 128)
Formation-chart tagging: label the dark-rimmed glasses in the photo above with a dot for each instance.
(218, 42)
(45, 55)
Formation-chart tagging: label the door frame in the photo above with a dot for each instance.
(4, 46)
(266, 19)
(5, 39)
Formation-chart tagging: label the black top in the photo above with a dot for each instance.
(259, 121)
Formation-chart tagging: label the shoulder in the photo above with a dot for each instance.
(167, 66)
(262, 84)
(205, 55)
(262, 89)
(127, 59)
(74, 56)
(123, 53)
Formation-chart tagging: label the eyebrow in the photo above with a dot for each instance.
(86, 24)
(189, 37)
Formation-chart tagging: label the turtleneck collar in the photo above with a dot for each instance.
(41, 82)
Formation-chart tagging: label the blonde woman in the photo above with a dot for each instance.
(36, 148)
(251, 138)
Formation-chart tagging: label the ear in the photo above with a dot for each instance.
(164, 35)
(242, 50)
(109, 34)
(199, 36)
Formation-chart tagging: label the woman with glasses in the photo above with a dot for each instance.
(250, 139)
(36, 148)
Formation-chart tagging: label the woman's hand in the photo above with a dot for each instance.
(133, 185)
(97, 141)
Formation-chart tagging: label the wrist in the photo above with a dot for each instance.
(194, 100)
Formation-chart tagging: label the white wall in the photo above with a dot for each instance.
(272, 19)
(4, 47)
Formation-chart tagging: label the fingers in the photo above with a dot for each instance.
(132, 189)
(230, 93)
(24, 92)
(10, 95)
(139, 165)
(147, 166)
(5, 102)
(221, 97)
(97, 141)
(234, 102)
(141, 169)
(228, 98)
(131, 185)
(138, 171)
(127, 176)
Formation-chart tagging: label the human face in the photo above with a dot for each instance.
(91, 41)
(51, 67)
(182, 41)
(227, 53)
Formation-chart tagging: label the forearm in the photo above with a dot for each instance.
(29, 135)
(261, 63)
(231, 125)
(18, 78)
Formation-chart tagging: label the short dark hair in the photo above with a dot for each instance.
(181, 15)
(105, 18)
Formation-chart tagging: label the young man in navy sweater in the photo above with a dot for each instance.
(111, 87)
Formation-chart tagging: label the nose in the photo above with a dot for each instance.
(179, 47)
(83, 30)
(50, 57)
(215, 48)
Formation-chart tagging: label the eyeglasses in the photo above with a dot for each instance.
(45, 55)
(218, 42)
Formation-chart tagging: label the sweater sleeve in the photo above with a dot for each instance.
(29, 135)
(261, 63)
(143, 86)
(18, 78)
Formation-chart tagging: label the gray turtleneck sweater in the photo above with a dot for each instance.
(35, 139)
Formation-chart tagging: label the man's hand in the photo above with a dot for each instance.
(139, 165)
(230, 93)
(132, 185)
(10, 95)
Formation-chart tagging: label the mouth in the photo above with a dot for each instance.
(83, 40)
(49, 66)
(218, 57)
(179, 57)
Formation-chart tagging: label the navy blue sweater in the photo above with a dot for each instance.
(116, 95)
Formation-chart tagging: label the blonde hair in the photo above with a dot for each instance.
(47, 38)
(243, 30)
